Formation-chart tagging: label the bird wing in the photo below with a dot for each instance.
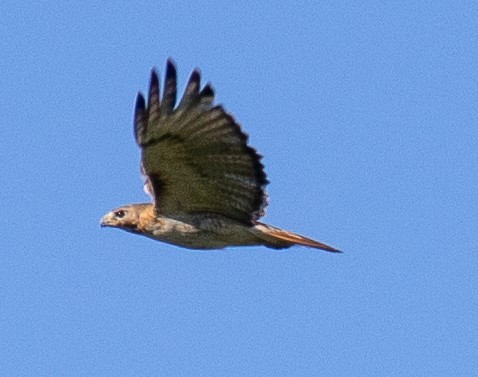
(195, 156)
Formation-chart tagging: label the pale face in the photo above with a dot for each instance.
(125, 217)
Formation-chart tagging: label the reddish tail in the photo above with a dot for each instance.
(280, 239)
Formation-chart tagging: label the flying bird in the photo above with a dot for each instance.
(206, 182)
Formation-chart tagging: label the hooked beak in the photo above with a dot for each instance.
(106, 220)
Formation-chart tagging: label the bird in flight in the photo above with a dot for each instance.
(206, 182)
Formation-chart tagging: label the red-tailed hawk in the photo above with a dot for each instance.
(207, 184)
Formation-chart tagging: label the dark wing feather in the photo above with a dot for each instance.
(195, 156)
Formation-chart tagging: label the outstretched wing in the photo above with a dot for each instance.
(195, 156)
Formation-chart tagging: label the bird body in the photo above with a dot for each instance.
(207, 183)
(202, 230)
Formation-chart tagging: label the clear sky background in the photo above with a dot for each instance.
(366, 113)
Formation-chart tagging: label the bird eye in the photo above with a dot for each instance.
(120, 213)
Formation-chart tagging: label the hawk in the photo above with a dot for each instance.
(206, 182)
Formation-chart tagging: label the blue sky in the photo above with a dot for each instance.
(366, 113)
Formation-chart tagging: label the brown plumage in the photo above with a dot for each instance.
(207, 183)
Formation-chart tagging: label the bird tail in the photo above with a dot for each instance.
(280, 239)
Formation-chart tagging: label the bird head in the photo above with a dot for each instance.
(126, 217)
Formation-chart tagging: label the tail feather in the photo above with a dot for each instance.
(279, 239)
